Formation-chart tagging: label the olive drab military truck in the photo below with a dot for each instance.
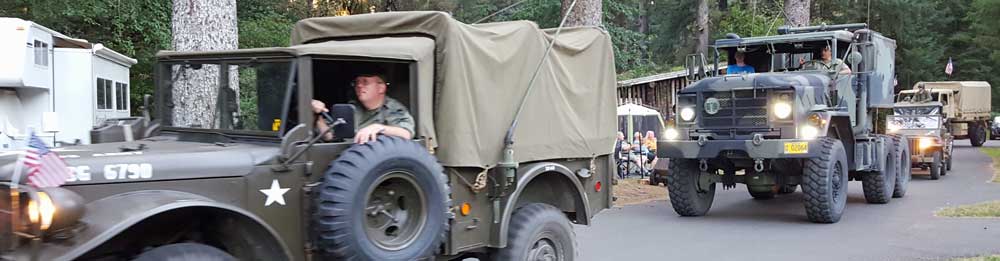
(255, 181)
(790, 124)
(965, 106)
(924, 125)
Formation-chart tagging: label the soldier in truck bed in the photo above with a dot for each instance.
(376, 113)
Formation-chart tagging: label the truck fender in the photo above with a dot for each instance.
(113, 215)
(529, 173)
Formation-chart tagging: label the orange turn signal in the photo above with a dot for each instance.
(466, 208)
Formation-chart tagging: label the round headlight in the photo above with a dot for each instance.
(671, 134)
(808, 132)
(687, 114)
(782, 110)
(925, 142)
(55, 208)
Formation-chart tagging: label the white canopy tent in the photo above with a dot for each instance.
(637, 118)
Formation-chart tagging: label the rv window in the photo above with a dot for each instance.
(105, 98)
(101, 103)
(121, 96)
(41, 53)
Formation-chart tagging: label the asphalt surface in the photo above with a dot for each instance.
(740, 228)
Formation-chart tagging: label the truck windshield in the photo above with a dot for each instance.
(251, 100)
(917, 110)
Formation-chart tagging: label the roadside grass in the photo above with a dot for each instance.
(995, 154)
(990, 209)
(631, 191)
(978, 258)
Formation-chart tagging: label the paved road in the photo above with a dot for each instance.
(740, 228)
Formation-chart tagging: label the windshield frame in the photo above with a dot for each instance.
(163, 96)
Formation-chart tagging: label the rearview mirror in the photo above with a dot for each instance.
(343, 112)
(854, 59)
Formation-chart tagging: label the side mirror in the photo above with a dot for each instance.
(344, 112)
(854, 59)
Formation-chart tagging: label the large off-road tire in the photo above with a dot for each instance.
(538, 232)
(824, 182)
(383, 200)
(936, 165)
(904, 168)
(878, 186)
(686, 195)
(788, 189)
(950, 155)
(977, 134)
(185, 251)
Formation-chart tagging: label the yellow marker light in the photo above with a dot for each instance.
(466, 209)
(276, 125)
(782, 110)
(925, 142)
(41, 211)
(808, 132)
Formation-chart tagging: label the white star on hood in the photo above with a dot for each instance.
(274, 194)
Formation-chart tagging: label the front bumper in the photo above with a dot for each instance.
(709, 149)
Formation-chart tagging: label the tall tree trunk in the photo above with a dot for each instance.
(585, 13)
(201, 25)
(797, 12)
(701, 28)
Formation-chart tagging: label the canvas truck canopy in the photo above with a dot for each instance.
(481, 75)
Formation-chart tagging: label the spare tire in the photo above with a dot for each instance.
(387, 199)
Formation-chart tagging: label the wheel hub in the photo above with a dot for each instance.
(394, 211)
(543, 250)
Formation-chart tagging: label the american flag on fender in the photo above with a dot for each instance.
(45, 168)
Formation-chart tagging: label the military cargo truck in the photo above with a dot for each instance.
(923, 124)
(966, 106)
(794, 123)
(502, 163)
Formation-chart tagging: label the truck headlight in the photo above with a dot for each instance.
(782, 110)
(54, 208)
(687, 114)
(671, 134)
(925, 142)
(808, 132)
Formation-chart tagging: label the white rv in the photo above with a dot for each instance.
(58, 86)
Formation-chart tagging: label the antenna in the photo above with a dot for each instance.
(868, 18)
(509, 139)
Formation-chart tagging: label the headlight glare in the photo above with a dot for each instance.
(808, 132)
(687, 114)
(782, 110)
(925, 142)
(671, 134)
(41, 211)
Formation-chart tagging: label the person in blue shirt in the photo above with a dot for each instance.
(740, 66)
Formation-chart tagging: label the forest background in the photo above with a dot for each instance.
(649, 36)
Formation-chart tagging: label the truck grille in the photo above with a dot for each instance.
(737, 109)
(914, 147)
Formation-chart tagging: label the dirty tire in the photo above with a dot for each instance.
(947, 163)
(977, 134)
(685, 195)
(824, 182)
(538, 232)
(788, 189)
(185, 251)
(366, 177)
(904, 168)
(878, 186)
(936, 166)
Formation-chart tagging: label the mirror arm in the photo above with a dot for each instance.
(338, 122)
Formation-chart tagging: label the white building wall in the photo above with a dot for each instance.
(74, 95)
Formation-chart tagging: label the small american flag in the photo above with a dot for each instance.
(45, 167)
(948, 69)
